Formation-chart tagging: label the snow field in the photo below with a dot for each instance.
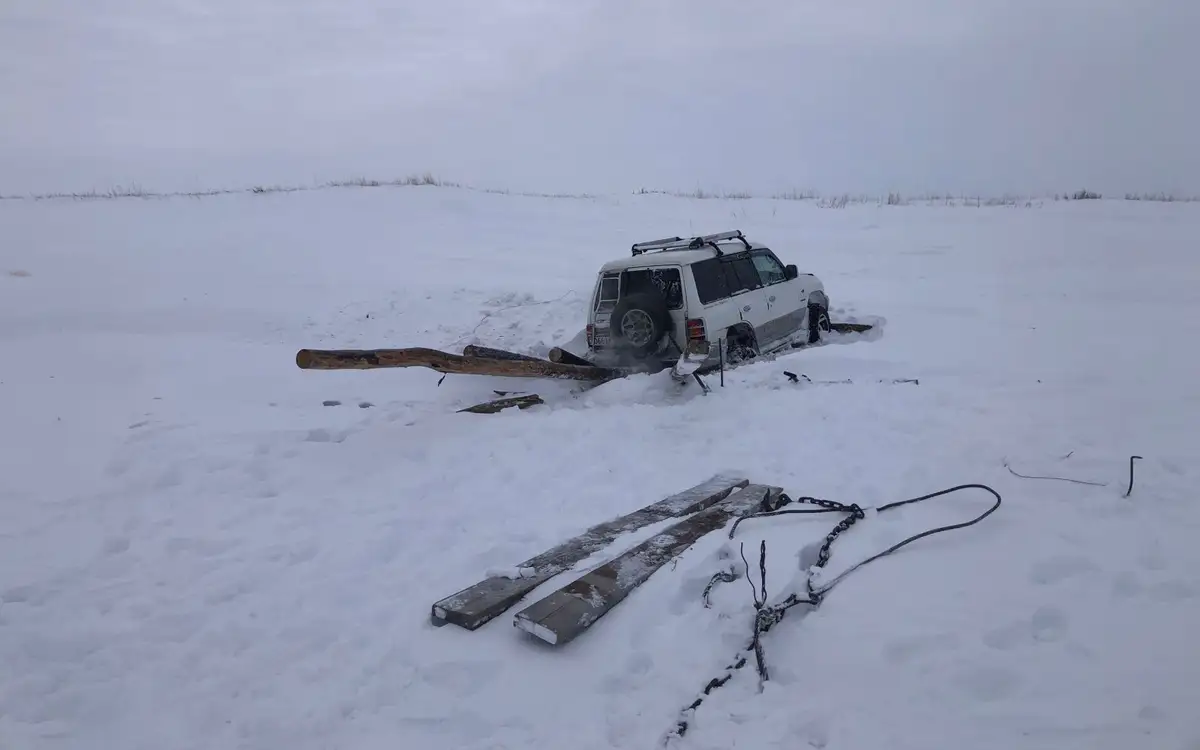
(196, 553)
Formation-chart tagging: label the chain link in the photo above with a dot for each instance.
(854, 513)
(725, 576)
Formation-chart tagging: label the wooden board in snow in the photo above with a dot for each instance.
(480, 603)
(564, 614)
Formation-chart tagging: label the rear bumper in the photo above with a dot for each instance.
(615, 359)
(668, 360)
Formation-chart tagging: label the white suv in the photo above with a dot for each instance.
(693, 303)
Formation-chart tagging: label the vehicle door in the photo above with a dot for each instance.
(666, 280)
(748, 296)
(786, 299)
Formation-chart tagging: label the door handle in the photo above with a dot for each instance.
(746, 308)
(771, 298)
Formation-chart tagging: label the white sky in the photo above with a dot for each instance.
(860, 95)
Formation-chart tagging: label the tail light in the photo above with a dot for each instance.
(697, 337)
(591, 334)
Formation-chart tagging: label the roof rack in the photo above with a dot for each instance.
(692, 243)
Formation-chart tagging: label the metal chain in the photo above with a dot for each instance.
(766, 617)
(854, 514)
(853, 511)
(725, 576)
(770, 616)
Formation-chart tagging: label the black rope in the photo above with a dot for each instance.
(766, 617)
(753, 591)
(1057, 479)
(1129, 491)
(948, 527)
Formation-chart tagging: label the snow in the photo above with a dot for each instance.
(197, 553)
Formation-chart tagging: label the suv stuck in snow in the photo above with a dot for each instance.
(693, 303)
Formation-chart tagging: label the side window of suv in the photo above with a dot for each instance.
(742, 274)
(711, 282)
(720, 278)
(768, 268)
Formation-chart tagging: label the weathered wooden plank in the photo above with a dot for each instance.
(480, 603)
(487, 352)
(562, 615)
(454, 364)
(500, 404)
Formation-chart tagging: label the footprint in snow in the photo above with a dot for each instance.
(905, 650)
(322, 435)
(639, 663)
(1125, 585)
(461, 677)
(1007, 637)
(1046, 624)
(24, 594)
(1151, 713)
(1174, 591)
(1053, 570)
(814, 732)
(116, 545)
(1152, 559)
(987, 684)
(1173, 468)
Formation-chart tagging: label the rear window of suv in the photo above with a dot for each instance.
(665, 281)
(608, 289)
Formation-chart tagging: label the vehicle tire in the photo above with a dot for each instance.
(821, 315)
(639, 322)
(740, 346)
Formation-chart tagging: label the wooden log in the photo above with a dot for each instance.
(500, 404)
(562, 615)
(454, 364)
(478, 604)
(561, 356)
(850, 327)
(487, 352)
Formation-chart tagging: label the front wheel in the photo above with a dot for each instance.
(820, 316)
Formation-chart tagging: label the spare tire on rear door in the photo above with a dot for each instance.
(638, 323)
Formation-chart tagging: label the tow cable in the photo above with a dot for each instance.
(767, 616)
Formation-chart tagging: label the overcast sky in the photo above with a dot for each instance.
(604, 95)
